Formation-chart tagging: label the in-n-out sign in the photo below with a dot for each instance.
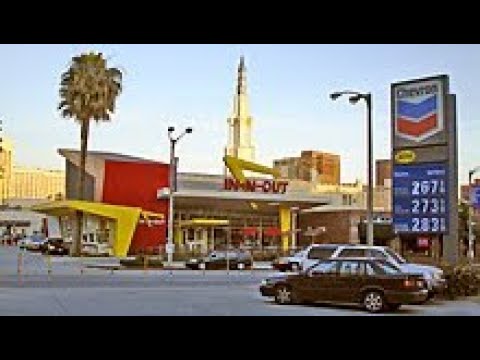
(266, 186)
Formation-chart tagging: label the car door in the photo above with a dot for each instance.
(351, 279)
(320, 281)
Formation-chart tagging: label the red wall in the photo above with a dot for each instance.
(136, 184)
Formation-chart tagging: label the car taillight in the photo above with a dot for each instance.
(410, 283)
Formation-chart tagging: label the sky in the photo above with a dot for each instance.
(193, 85)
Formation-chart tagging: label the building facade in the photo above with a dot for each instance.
(120, 180)
(19, 182)
(311, 166)
(31, 183)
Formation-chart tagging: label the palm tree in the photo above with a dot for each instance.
(88, 90)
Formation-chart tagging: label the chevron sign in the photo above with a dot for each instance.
(419, 111)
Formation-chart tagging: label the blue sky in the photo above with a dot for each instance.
(193, 85)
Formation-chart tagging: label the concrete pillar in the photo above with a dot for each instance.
(178, 237)
(212, 238)
(285, 226)
(204, 240)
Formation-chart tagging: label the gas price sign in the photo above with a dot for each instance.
(420, 198)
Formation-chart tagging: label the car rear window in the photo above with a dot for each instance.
(320, 253)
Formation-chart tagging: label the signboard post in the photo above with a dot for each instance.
(424, 158)
(475, 197)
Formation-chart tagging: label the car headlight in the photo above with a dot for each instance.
(264, 282)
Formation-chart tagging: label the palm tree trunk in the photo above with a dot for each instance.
(85, 125)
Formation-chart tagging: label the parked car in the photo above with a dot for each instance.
(375, 284)
(294, 262)
(34, 242)
(96, 249)
(22, 243)
(54, 246)
(433, 275)
(217, 260)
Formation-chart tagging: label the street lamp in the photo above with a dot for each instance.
(354, 98)
(471, 252)
(173, 187)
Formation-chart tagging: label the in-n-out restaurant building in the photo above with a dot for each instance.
(209, 210)
(126, 201)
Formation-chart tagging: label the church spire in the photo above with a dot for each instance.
(242, 77)
(240, 107)
(240, 123)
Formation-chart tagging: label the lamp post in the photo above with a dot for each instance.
(354, 98)
(471, 252)
(172, 186)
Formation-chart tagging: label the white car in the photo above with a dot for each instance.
(294, 262)
(33, 242)
(433, 275)
(96, 249)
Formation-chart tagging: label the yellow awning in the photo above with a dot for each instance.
(125, 217)
(205, 222)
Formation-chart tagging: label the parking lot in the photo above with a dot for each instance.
(71, 289)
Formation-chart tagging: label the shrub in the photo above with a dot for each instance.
(462, 280)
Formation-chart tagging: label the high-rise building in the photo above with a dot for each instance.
(6, 156)
(31, 183)
(240, 142)
(383, 171)
(311, 166)
(27, 183)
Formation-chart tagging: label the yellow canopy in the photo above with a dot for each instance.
(125, 217)
(205, 222)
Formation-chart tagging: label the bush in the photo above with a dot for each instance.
(462, 280)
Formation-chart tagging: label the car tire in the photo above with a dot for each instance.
(373, 301)
(283, 295)
(295, 267)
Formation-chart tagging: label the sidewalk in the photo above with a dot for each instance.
(109, 264)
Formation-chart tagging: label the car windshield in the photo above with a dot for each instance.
(395, 256)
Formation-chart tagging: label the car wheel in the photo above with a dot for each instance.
(295, 267)
(373, 301)
(283, 295)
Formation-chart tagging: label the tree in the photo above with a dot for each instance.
(88, 90)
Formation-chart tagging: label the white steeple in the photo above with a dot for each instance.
(240, 123)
